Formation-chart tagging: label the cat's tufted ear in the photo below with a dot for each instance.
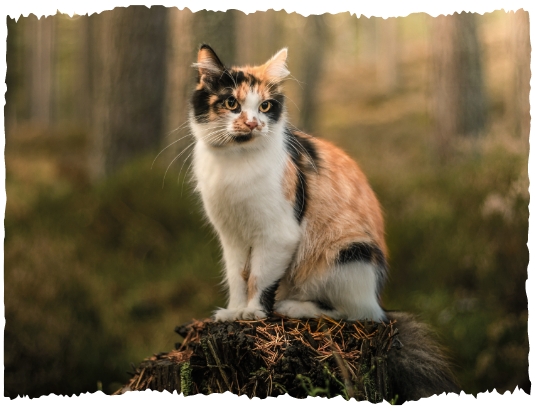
(276, 65)
(207, 62)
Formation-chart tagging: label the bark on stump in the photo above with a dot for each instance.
(275, 356)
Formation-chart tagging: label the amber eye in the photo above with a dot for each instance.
(231, 103)
(265, 106)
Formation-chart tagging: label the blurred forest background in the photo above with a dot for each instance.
(106, 252)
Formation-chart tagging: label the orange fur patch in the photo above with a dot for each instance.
(213, 98)
(246, 272)
(341, 209)
(251, 288)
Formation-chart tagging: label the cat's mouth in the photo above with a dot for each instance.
(243, 138)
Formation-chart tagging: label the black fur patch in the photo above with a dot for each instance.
(267, 298)
(356, 252)
(301, 193)
(367, 253)
(323, 306)
(277, 104)
(201, 105)
(305, 158)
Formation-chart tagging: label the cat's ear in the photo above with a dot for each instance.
(207, 62)
(276, 66)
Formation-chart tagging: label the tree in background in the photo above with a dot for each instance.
(128, 84)
(218, 29)
(459, 99)
(180, 75)
(387, 58)
(313, 57)
(31, 73)
(517, 98)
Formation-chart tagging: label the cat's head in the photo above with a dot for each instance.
(237, 106)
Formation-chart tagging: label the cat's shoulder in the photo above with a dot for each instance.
(325, 151)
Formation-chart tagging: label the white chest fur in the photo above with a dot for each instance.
(242, 191)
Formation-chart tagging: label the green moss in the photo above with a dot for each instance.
(185, 379)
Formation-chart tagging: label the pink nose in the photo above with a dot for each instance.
(251, 124)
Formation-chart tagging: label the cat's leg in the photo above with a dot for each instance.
(269, 262)
(352, 288)
(235, 258)
(348, 291)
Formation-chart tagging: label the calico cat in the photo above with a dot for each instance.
(301, 230)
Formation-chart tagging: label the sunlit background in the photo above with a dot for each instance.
(106, 250)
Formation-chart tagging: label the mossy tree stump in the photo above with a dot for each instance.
(275, 356)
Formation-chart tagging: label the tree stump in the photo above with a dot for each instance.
(315, 357)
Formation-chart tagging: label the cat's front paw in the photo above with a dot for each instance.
(233, 314)
(228, 314)
(253, 314)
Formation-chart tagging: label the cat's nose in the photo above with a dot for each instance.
(251, 124)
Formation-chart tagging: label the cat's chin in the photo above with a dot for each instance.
(239, 139)
(242, 138)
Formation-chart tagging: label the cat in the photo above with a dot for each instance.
(301, 230)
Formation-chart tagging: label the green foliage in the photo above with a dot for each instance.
(97, 276)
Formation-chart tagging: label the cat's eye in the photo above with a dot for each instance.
(265, 106)
(231, 103)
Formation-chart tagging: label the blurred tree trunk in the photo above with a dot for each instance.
(84, 69)
(246, 38)
(313, 56)
(128, 81)
(15, 109)
(180, 76)
(387, 57)
(40, 66)
(517, 100)
(459, 100)
(367, 38)
(254, 49)
(218, 30)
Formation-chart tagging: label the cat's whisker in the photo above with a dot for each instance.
(174, 159)
(310, 160)
(289, 98)
(225, 72)
(183, 163)
(184, 124)
(303, 152)
(185, 175)
(297, 81)
(190, 134)
(165, 148)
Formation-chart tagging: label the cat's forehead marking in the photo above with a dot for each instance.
(252, 79)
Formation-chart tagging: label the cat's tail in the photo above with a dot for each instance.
(418, 367)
